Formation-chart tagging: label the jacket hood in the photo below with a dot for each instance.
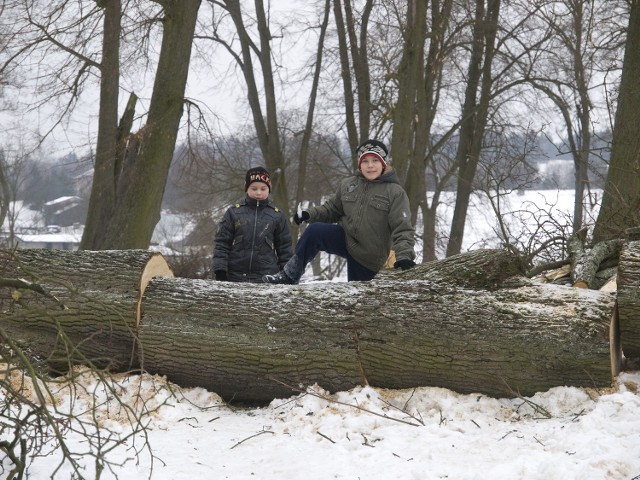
(388, 176)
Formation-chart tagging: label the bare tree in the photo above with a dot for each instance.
(621, 202)
(5, 194)
(474, 112)
(566, 71)
(16, 168)
(308, 128)
(142, 180)
(354, 67)
(420, 81)
(264, 110)
(72, 41)
(102, 202)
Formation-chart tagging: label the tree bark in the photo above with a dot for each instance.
(621, 199)
(102, 200)
(141, 183)
(261, 343)
(629, 299)
(475, 112)
(482, 268)
(91, 297)
(586, 262)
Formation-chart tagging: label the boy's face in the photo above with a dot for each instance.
(371, 166)
(258, 191)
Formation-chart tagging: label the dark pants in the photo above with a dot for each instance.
(329, 238)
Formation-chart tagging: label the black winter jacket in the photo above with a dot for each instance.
(253, 239)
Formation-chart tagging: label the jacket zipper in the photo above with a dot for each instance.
(253, 239)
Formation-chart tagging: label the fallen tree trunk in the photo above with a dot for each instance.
(483, 331)
(81, 306)
(486, 268)
(255, 343)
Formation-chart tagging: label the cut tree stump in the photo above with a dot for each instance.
(92, 296)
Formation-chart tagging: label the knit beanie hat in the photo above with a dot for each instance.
(257, 174)
(374, 147)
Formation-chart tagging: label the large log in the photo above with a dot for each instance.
(91, 296)
(255, 343)
(629, 299)
(483, 268)
(486, 330)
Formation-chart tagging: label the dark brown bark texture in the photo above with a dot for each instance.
(90, 296)
(464, 323)
(629, 299)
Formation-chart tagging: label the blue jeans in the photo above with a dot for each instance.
(329, 238)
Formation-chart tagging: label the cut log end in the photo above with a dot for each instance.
(615, 346)
(156, 266)
(580, 284)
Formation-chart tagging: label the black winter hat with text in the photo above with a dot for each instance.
(257, 174)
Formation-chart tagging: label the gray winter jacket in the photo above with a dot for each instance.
(253, 239)
(375, 216)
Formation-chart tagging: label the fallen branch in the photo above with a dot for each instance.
(252, 436)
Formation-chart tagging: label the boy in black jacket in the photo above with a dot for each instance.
(253, 238)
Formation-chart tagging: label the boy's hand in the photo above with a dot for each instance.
(303, 217)
(404, 264)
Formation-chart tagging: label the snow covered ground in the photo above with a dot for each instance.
(367, 433)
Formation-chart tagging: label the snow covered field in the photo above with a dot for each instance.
(367, 433)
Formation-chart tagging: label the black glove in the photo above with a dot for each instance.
(303, 217)
(221, 275)
(404, 264)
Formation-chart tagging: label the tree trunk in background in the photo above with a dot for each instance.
(271, 145)
(125, 202)
(411, 108)
(474, 114)
(102, 202)
(5, 193)
(347, 83)
(144, 174)
(621, 200)
(360, 63)
(355, 70)
(469, 323)
(308, 129)
(265, 121)
(427, 101)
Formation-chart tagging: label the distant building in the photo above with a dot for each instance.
(65, 211)
(51, 241)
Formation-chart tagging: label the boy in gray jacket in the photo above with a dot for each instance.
(362, 222)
